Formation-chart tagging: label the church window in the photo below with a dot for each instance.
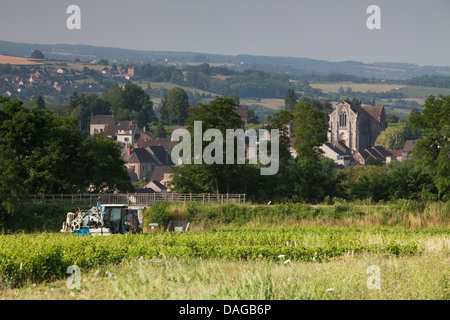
(343, 118)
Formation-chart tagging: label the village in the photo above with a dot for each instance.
(351, 141)
(61, 77)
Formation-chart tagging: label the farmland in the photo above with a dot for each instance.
(20, 61)
(241, 256)
(409, 90)
(231, 263)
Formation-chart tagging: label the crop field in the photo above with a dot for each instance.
(38, 261)
(409, 90)
(274, 104)
(19, 60)
(420, 91)
(284, 251)
(362, 87)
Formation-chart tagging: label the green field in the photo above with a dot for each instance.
(409, 90)
(231, 263)
(288, 251)
(419, 91)
(363, 87)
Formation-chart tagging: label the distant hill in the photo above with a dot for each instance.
(295, 66)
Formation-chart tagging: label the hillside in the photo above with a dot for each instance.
(291, 65)
(262, 91)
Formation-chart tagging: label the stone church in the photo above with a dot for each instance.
(356, 126)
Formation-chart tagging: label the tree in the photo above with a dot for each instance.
(252, 117)
(40, 102)
(371, 161)
(160, 131)
(163, 111)
(177, 105)
(36, 54)
(42, 152)
(392, 118)
(130, 102)
(408, 131)
(102, 167)
(45, 147)
(282, 121)
(217, 114)
(74, 100)
(236, 99)
(434, 148)
(391, 139)
(310, 130)
(290, 100)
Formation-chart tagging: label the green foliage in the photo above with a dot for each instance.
(160, 131)
(177, 104)
(434, 148)
(391, 139)
(37, 54)
(158, 213)
(282, 121)
(102, 168)
(290, 100)
(46, 147)
(45, 257)
(42, 152)
(310, 130)
(37, 217)
(130, 102)
(218, 114)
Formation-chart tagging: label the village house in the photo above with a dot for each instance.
(145, 141)
(377, 152)
(156, 186)
(332, 151)
(99, 123)
(106, 73)
(405, 153)
(62, 71)
(127, 132)
(138, 161)
(130, 71)
(142, 160)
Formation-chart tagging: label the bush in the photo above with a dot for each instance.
(38, 217)
(158, 212)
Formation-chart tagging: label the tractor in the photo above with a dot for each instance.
(105, 219)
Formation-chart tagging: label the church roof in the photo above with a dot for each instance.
(373, 111)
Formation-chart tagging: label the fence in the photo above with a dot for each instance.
(138, 199)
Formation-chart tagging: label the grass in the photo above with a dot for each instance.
(419, 277)
(406, 213)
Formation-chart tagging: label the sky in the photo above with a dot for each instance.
(412, 31)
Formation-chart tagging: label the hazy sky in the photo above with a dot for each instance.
(414, 31)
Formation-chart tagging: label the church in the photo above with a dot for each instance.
(356, 126)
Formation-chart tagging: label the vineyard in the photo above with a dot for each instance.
(45, 257)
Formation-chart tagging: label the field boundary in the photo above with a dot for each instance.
(138, 199)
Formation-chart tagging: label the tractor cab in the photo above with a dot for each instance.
(120, 219)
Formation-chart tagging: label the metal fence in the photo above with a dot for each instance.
(138, 199)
